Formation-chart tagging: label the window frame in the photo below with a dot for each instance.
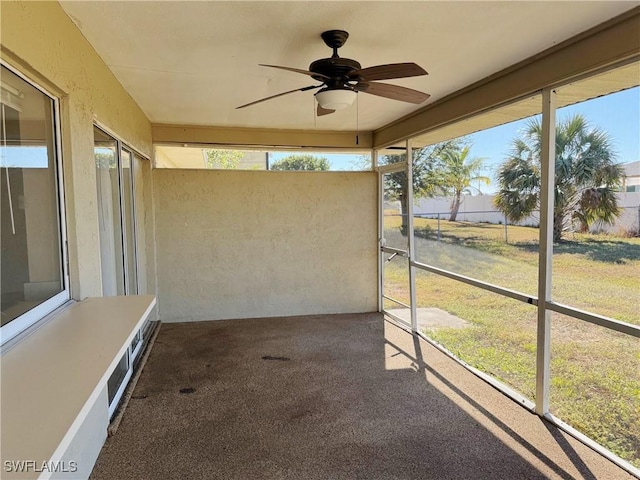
(122, 384)
(130, 258)
(135, 155)
(25, 321)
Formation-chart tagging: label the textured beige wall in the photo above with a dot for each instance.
(146, 229)
(40, 40)
(236, 244)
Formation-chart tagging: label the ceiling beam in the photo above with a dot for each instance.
(258, 137)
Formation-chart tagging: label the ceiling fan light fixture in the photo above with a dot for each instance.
(341, 79)
(335, 99)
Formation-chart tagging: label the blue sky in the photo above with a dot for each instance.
(618, 114)
(24, 157)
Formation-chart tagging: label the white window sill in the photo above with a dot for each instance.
(52, 378)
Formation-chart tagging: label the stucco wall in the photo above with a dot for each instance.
(40, 40)
(237, 244)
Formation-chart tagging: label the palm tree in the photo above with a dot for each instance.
(426, 174)
(456, 173)
(586, 176)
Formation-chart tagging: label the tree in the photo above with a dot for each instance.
(105, 158)
(225, 159)
(455, 173)
(586, 176)
(301, 162)
(427, 176)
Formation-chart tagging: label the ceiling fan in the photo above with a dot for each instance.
(342, 78)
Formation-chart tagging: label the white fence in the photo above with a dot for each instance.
(480, 209)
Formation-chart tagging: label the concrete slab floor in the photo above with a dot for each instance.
(326, 397)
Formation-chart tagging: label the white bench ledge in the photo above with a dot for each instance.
(52, 378)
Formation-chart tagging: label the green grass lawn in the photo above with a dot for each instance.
(595, 373)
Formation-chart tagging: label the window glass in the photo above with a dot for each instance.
(116, 213)
(109, 213)
(135, 343)
(117, 377)
(32, 275)
(129, 222)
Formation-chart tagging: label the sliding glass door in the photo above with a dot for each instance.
(116, 215)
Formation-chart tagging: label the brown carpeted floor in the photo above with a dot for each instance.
(326, 397)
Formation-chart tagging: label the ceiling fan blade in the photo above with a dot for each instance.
(389, 71)
(323, 111)
(317, 76)
(280, 95)
(395, 92)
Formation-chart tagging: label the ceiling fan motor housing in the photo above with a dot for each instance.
(337, 69)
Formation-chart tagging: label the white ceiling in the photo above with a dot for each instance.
(193, 62)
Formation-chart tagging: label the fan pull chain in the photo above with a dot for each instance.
(357, 119)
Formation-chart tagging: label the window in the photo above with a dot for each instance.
(237, 159)
(33, 277)
(128, 218)
(117, 382)
(129, 364)
(116, 214)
